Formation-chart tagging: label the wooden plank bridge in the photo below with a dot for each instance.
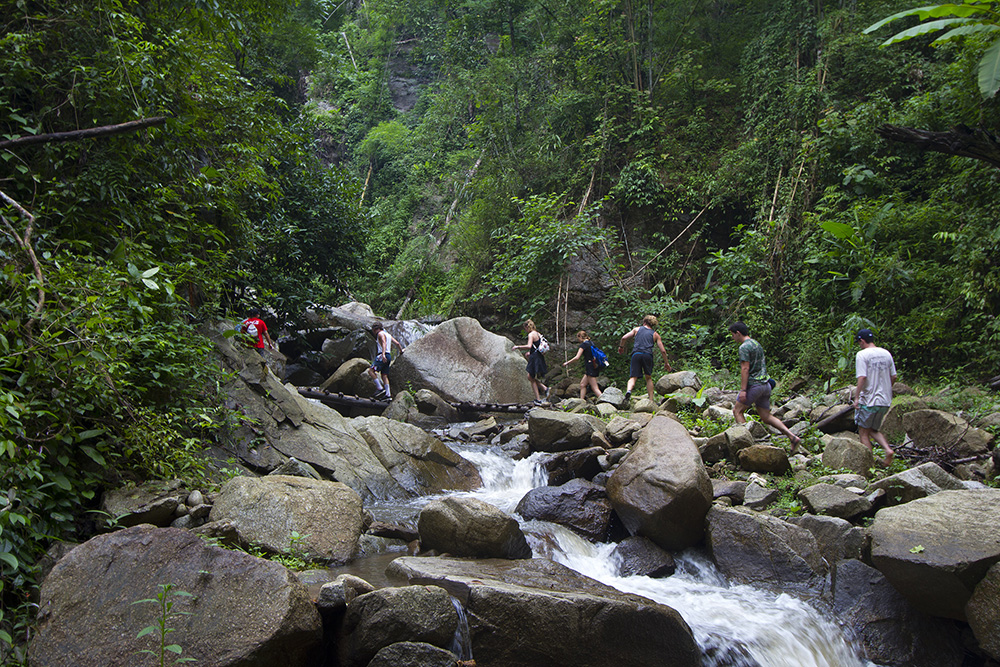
(341, 401)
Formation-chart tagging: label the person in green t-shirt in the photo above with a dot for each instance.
(755, 389)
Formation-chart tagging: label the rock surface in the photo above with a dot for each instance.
(245, 612)
(470, 527)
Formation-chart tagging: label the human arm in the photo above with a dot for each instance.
(862, 380)
(579, 353)
(267, 338)
(663, 351)
(621, 343)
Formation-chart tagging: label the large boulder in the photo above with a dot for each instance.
(244, 612)
(555, 431)
(671, 382)
(983, 612)
(461, 361)
(419, 462)
(924, 480)
(938, 429)
(269, 511)
(887, 626)
(764, 458)
(470, 527)
(578, 504)
(151, 502)
(831, 500)
(639, 556)
(574, 464)
(845, 451)
(765, 551)
(838, 539)
(935, 550)
(345, 378)
(389, 615)
(661, 490)
(536, 612)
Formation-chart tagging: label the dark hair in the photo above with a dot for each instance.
(254, 312)
(377, 326)
(740, 328)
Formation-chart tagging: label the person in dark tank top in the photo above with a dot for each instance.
(641, 363)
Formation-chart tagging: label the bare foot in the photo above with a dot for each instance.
(887, 460)
(796, 441)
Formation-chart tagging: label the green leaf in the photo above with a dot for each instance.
(932, 11)
(838, 229)
(989, 71)
(92, 433)
(149, 629)
(173, 648)
(923, 29)
(149, 273)
(964, 31)
(919, 549)
(9, 558)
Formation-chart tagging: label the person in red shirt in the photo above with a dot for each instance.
(254, 327)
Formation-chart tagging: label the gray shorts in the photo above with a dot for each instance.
(759, 396)
(870, 416)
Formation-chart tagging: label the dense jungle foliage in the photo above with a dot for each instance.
(712, 161)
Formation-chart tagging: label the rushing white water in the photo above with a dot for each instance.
(736, 626)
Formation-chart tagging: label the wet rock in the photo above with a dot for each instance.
(337, 594)
(764, 458)
(574, 464)
(87, 616)
(831, 500)
(554, 431)
(577, 504)
(661, 490)
(267, 510)
(470, 527)
(536, 612)
(935, 550)
(416, 460)
(403, 614)
(413, 654)
(889, 629)
(641, 557)
(765, 551)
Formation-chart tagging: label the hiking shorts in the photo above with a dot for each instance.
(640, 365)
(870, 416)
(381, 365)
(759, 396)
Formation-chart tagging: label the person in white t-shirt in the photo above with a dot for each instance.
(876, 372)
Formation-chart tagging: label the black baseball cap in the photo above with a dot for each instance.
(865, 335)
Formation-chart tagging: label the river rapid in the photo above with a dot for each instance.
(735, 625)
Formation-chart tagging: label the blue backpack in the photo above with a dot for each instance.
(600, 358)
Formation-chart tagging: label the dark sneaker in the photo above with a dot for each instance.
(628, 395)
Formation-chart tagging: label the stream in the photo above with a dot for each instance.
(735, 625)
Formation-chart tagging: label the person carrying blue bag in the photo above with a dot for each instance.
(594, 361)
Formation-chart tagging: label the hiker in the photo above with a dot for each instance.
(590, 368)
(755, 389)
(876, 373)
(641, 363)
(254, 327)
(379, 370)
(536, 361)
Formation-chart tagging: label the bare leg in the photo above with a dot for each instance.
(738, 411)
(534, 387)
(385, 381)
(650, 389)
(630, 385)
(583, 388)
(771, 420)
(866, 435)
(594, 386)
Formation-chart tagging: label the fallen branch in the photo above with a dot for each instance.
(76, 135)
(961, 140)
(25, 243)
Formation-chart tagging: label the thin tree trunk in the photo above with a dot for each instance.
(25, 243)
(90, 133)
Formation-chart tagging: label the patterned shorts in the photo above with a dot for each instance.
(870, 416)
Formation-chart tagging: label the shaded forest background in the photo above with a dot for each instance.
(703, 161)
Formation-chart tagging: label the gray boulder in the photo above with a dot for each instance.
(555, 431)
(577, 504)
(640, 556)
(470, 527)
(847, 452)
(461, 361)
(389, 615)
(738, 437)
(764, 458)
(924, 480)
(935, 550)
(620, 429)
(759, 497)
(536, 612)
(151, 502)
(267, 511)
(936, 428)
(87, 616)
(413, 654)
(399, 408)
(671, 382)
(345, 378)
(661, 490)
(734, 489)
(416, 460)
(613, 396)
(837, 538)
(983, 612)
(832, 500)
(574, 464)
(764, 551)
(295, 468)
(889, 629)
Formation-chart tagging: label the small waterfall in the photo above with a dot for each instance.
(461, 645)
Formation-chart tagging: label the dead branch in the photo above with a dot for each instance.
(24, 241)
(76, 135)
(975, 143)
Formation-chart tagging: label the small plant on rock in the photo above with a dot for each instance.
(160, 628)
